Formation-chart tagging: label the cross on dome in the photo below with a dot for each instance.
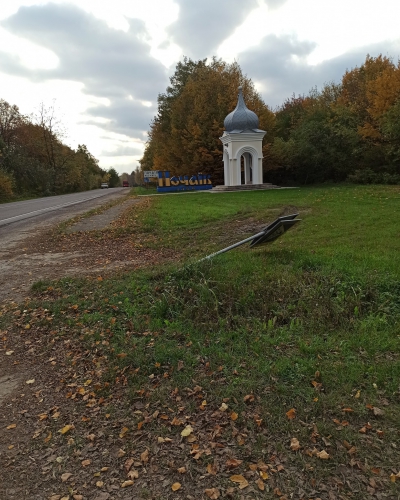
(241, 119)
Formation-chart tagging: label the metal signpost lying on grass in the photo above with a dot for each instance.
(267, 235)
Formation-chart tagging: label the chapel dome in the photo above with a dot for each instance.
(242, 119)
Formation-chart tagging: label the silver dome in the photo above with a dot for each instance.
(241, 119)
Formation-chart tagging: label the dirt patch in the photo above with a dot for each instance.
(8, 383)
(36, 252)
(103, 220)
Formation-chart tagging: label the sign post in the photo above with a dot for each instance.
(272, 232)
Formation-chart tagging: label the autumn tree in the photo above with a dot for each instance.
(184, 136)
(34, 158)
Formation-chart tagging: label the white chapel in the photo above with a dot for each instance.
(242, 139)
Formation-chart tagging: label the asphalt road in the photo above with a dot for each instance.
(21, 210)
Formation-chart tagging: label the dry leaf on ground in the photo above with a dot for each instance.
(241, 480)
(294, 444)
(260, 484)
(212, 493)
(127, 483)
(291, 414)
(187, 431)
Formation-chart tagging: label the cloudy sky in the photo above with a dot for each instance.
(103, 63)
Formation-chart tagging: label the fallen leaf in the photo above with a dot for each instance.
(99, 484)
(323, 455)
(357, 395)
(294, 444)
(263, 474)
(86, 462)
(348, 410)
(249, 398)
(30, 382)
(212, 493)
(182, 470)
(144, 457)
(128, 464)
(223, 407)
(65, 429)
(8, 353)
(241, 480)
(65, 477)
(212, 469)
(127, 483)
(176, 486)
(291, 414)
(12, 426)
(123, 432)
(121, 453)
(11, 447)
(378, 412)
(187, 431)
(260, 484)
(232, 463)
(234, 416)
(133, 474)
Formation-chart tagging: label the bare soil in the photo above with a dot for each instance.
(31, 366)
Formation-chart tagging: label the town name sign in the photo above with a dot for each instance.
(167, 184)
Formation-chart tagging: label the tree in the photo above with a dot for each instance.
(184, 136)
(113, 180)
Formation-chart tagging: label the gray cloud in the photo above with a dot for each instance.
(272, 64)
(126, 116)
(109, 62)
(203, 25)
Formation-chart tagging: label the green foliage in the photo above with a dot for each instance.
(113, 178)
(331, 134)
(6, 186)
(36, 161)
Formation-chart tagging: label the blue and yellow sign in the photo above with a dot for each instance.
(167, 184)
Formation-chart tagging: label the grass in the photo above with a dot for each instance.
(310, 322)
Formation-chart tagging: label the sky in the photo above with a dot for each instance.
(101, 64)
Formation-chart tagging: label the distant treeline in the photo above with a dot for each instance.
(345, 131)
(35, 161)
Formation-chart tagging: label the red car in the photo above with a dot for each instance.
(125, 184)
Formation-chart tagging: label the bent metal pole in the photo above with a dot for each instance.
(232, 246)
(267, 235)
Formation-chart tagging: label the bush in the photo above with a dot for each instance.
(6, 186)
(368, 176)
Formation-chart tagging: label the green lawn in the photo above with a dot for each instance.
(310, 322)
